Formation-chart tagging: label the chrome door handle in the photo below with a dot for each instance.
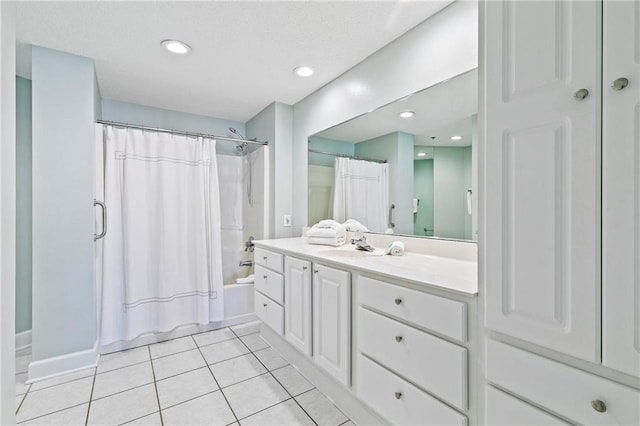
(599, 406)
(398, 395)
(398, 339)
(620, 83)
(398, 301)
(104, 220)
(581, 94)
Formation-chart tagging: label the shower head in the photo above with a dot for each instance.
(234, 131)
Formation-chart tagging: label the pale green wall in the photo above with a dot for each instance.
(328, 145)
(423, 191)
(397, 149)
(450, 192)
(23, 204)
(64, 108)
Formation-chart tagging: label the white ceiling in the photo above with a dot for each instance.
(441, 111)
(243, 51)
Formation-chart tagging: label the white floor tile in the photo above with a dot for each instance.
(321, 409)
(22, 363)
(270, 358)
(247, 328)
(255, 394)
(88, 372)
(183, 387)
(214, 336)
(122, 379)
(177, 363)
(237, 369)
(150, 420)
(125, 406)
(285, 413)
(210, 409)
(172, 346)
(21, 387)
(74, 416)
(292, 380)
(254, 342)
(223, 351)
(122, 359)
(55, 398)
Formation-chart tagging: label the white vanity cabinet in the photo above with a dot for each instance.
(562, 222)
(269, 289)
(297, 307)
(332, 321)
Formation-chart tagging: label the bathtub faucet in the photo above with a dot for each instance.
(246, 263)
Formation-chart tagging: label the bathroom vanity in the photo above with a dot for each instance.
(388, 338)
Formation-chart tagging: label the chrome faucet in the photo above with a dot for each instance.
(246, 263)
(361, 243)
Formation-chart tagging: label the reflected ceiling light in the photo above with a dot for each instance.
(303, 71)
(176, 46)
(422, 154)
(456, 138)
(407, 114)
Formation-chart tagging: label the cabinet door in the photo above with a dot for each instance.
(541, 173)
(332, 321)
(621, 187)
(297, 303)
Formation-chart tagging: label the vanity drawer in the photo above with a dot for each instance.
(269, 283)
(270, 259)
(399, 401)
(269, 312)
(444, 316)
(436, 365)
(505, 410)
(562, 389)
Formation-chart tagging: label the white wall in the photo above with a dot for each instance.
(443, 46)
(7, 211)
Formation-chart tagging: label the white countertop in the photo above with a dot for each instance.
(451, 274)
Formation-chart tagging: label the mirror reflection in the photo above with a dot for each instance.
(406, 168)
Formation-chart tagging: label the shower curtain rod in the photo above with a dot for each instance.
(179, 132)
(315, 151)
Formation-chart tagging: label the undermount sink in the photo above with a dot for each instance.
(349, 253)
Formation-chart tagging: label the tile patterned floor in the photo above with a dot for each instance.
(222, 377)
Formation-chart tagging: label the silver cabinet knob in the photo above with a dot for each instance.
(620, 83)
(315, 272)
(599, 406)
(304, 268)
(398, 339)
(264, 258)
(398, 395)
(581, 94)
(264, 304)
(398, 301)
(265, 277)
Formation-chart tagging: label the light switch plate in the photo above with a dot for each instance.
(287, 220)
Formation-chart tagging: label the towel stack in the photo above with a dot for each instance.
(355, 226)
(328, 233)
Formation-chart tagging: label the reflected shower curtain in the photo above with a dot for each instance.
(361, 192)
(162, 263)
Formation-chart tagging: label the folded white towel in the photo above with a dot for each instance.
(335, 242)
(325, 233)
(355, 226)
(327, 223)
(395, 248)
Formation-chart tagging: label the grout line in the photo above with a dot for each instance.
(120, 368)
(155, 386)
(62, 383)
(189, 400)
(53, 412)
(93, 386)
(218, 384)
(141, 417)
(266, 408)
(123, 391)
(24, 396)
(278, 381)
(245, 380)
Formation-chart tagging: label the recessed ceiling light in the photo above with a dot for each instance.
(456, 138)
(176, 46)
(407, 114)
(303, 71)
(422, 154)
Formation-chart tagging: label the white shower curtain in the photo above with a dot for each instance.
(361, 192)
(162, 263)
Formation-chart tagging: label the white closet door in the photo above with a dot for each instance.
(621, 191)
(542, 173)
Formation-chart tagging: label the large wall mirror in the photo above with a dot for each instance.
(408, 167)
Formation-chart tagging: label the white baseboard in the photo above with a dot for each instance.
(23, 340)
(55, 366)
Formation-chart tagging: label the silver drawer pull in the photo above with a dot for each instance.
(398, 301)
(264, 258)
(398, 395)
(316, 271)
(265, 277)
(304, 268)
(398, 339)
(264, 304)
(581, 94)
(599, 406)
(620, 83)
